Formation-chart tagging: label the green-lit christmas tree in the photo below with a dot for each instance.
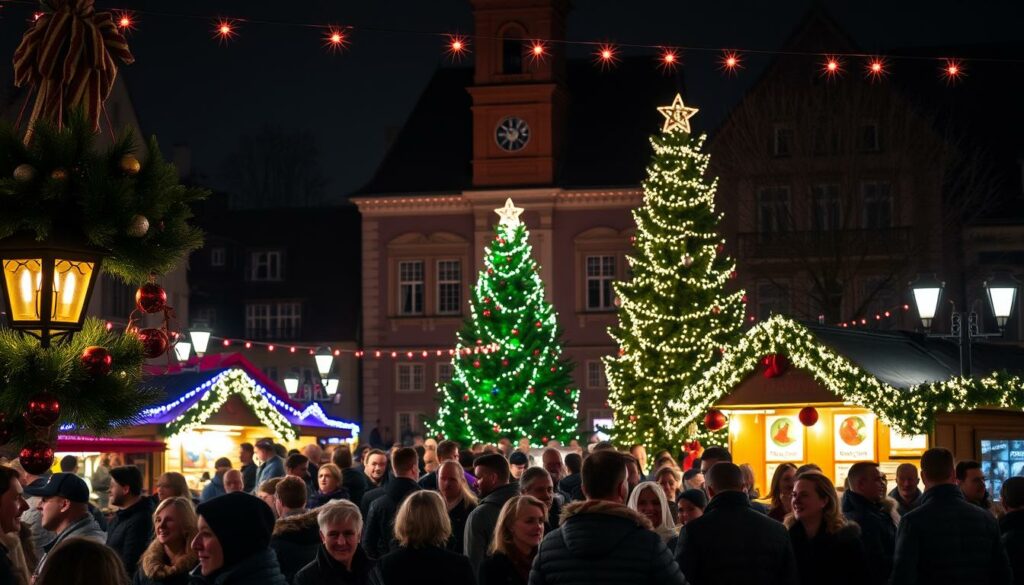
(675, 315)
(508, 376)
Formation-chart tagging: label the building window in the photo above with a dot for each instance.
(878, 297)
(825, 209)
(870, 139)
(877, 201)
(600, 273)
(410, 287)
(826, 141)
(408, 423)
(410, 377)
(444, 372)
(217, 257)
(265, 266)
(782, 141)
(772, 299)
(773, 209)
(511, 56)
(273, 320)
(449, 287)
(595, 375)
(206, 315)
(271, 372)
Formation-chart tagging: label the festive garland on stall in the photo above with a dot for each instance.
(226, 384)
(911, 410)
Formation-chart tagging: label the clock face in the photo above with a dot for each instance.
(512, 133)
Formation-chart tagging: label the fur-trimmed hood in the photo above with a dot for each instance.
(604, 507)
(304, 523)
(155, 565)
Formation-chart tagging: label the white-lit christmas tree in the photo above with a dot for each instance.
(675, 315)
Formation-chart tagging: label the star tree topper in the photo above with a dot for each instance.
(509, 214)
(677, 115)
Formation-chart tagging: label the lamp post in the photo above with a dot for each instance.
(200, 335)
(1001, 292)
(182, 350)
(331, 386)
(291, 384)
(324, 361)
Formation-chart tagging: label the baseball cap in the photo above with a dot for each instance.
(265, 444)
(65, 485)
(518, 458)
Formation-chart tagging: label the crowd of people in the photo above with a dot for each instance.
(435, 513)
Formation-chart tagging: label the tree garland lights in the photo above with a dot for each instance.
(910, 411)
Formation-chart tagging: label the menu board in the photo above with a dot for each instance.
(1001, 459)
(906, 445)
(842, 470)
(785, 438)
(854, 437)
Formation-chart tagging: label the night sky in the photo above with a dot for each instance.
(190, 90)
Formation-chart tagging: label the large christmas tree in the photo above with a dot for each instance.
(675, 315)
(508, 377)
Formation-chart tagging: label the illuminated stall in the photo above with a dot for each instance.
(832, 396)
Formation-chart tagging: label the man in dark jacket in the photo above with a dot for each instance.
(601, 540)
(296, 535)
(946, 539)
(352, 479)
(446, 451)
(862, 503)
(245, 455)
(64, 504)
(906, 493)
(1011, 525)
(378, 534)
(233, 543)
(12, 505)
(340, 560)
(131, 529)
(492, 473)
(731, 542)
(572, 484)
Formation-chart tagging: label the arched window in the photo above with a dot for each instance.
(512, 49)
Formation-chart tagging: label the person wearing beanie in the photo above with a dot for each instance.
(233, 543)
(517, 464)
(131, 530)
(691, 505)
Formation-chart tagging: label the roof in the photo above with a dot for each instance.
(610, 120)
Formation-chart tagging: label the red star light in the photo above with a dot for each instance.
(876, 69)
(335, 39)
(730, 62)
(669, 60)
(458, 46)
(224, 31)
(831, 67)
(538, 51)
(125, 22)
(606, 56)
(953, 70)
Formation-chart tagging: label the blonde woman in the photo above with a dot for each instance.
(517, 535)
(169, 558)
(670, 480)
(328, 480)
(649, 500)
(781, 491)
(422, 530)
(822, 538)
(458, 498)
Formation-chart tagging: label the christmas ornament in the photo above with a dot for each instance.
(774, 365)
(59, 175)
(487, 312)
(509, 214)
(138, 226)
(43, 410)
(515, 331)
(36, 457)
(130, 165)
(687, 260)
(716, 309)
(732, 274)
(151, 298)
(24, 173)
(504, 363)
(96, 360)
(476, 364)
(154, 342)
(677, 116)
(715, 420)
(808, 416)
(720, 248)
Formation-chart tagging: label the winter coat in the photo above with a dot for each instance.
(249, 471)
(269, 469)
(1012, 528)
(378, 531)
(499, 569)
(324, 570)
(369, 498)
(603, 543)
(130, 532)
(554, 516)
(354, 481)
(8, 575)
(422, 566)
(295, 540)
(949, 540)
(458, 516)
(213, 489)
(156, 569)
(258, 569)
(877, 532)
(902, 506)
(86, 527)
(482, 520)
(733, 543)
(837, 558)
(319, 499)
(572, 485)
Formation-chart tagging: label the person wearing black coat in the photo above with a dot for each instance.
(156, 569)
(377, 532)
(947, 539)
(862, 503)
(295, 541)
(233, 543)
(823, 540)
(324, 570)
(731, 542)
(354, 481)
(131, 530)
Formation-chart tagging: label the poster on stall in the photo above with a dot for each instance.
(906, 445)
(842, 470)
(785, 440)
(854, 437)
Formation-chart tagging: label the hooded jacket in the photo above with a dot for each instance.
(324, 570)
(378, 533)
(482, 520)
(257, 569)
(603, 543)
(156, 569)
(295, 540)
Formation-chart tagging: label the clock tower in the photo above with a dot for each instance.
(519, 99)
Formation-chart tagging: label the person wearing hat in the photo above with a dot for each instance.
(691, 505)
(233, 543)
(131, 530)
(517, 464)
(64, 509)
(271, 464)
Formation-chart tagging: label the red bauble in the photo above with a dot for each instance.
(536, 353)
(719, 248)
(487, 312)
(732, 274)
(476, 364)
(715, 420)
(154, 342)
(774, 365)
(515, 331)
(96, 360)
(808, 416)
(554, 369)
(504, 362)
(36, 457)
(43, 410)
(716, 310)
(151, 298)
(487, 300)
(543, 439)
(538, 324)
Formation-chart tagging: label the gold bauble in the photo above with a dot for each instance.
(24, 173)
(130, 165)
(59, 175)
(139, 226)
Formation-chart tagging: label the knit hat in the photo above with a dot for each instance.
(242, 522)
(518, 458)
(130, 477)
(695, 497)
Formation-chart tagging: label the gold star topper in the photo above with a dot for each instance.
(677, 116)
(509, 214)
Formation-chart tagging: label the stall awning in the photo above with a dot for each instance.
(77, 443)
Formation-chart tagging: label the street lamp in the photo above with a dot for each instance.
(331, 386)
(291, 384)
(200, 335)
(47, 286)
(324, 360)
(182, 349)
(1001, 291)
